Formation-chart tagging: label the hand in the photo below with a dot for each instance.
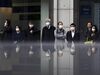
(31, 31)
(92, 34)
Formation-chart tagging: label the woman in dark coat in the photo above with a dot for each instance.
(94, 34)
(7, 31)
(18, 35)
(88, 31)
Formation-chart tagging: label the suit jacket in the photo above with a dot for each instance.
(48, 34)
(17, 37)
(69, 37)
(34, 36)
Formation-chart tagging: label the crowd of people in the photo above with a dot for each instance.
(16, 34)
(58, 37)
(49, 33)
(52, 38)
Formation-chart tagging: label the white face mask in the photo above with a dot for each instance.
(47, 23)
(17, 29)
(72, 28)
(5, 24)
(31, 25)
(93, 29)
(60, 26)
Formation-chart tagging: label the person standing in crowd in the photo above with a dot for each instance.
(60, 32)
(94, 34)
(48, 38)
(60, 36)
(72, 38)
(88, 31)
(30, 33)
(7, 31)
(48, 32)
(18, 35)
(93, 39)
(72, 35)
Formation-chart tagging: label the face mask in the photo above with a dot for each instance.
(47, 23)
(93, 30)
(72, 28)
(17, 29)
(47, 54)
(60, 26)
(31, 25)
(5, 24)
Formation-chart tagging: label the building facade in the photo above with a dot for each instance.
(69, 11)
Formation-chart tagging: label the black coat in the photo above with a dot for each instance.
(7, 34)
(32, 36)
(88, 35)
(48, 34)
(76, 37)
(95, 37)
(18, 36)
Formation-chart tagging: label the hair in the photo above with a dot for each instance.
(59, 22)
(18, 27)
(89, 22)
(48, 20)
(73, 24)
(95, 28)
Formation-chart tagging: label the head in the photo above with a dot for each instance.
(60, 25)
(7, 23)
(72, 27)
(17, 28)
(48, 22)
(30, 25)
(89, 24)
(94, 28)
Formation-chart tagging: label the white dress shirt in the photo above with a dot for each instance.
(72, 33)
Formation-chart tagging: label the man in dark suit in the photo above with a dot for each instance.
(48, 37)
(48, 32)
(72, 35)
(32, 33)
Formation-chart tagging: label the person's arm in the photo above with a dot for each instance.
(64, 36)
(67, 36)
(58, 35)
